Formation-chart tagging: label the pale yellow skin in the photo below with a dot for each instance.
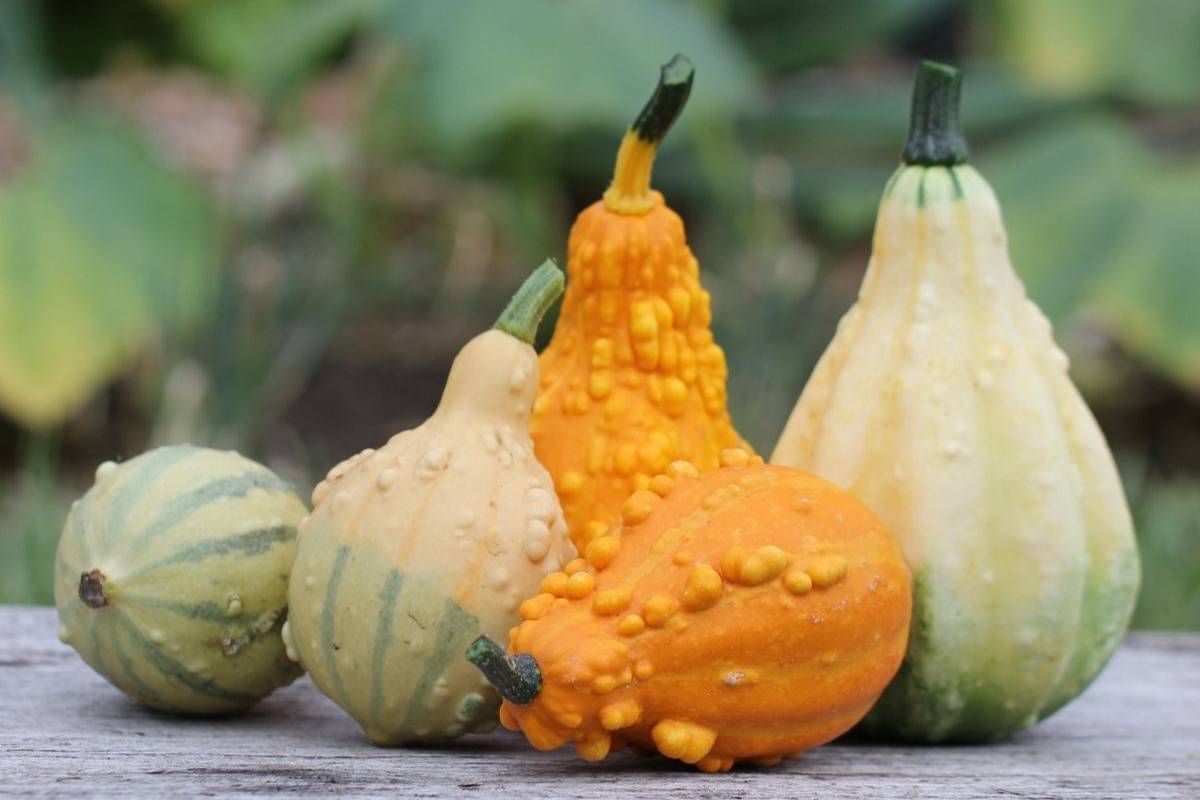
(195, 546)
(944, 404)
(446, 530)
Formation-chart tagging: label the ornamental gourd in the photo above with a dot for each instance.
(945, 405)
(415, 549)
(750, 612)
(632, 378)
(171, 578)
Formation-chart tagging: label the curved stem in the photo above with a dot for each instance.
(663, 108)
(91, 589)
(934, 135)
(531, 302)
(630, 189)
(517, 678)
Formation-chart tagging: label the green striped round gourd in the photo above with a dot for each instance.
(415, 549)
(171, 578)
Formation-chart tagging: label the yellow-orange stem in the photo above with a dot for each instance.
(629, 192)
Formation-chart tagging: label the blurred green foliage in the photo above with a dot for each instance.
(1168, 524)
(1132, 49)
(269, 224)
(572, 65)
(100, 246)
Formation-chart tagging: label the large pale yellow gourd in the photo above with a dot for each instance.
(415, 549)
(945, 405)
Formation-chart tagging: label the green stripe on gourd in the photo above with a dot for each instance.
(174, 670)
(134, 487)
(206, 610)
(328, 609)
(128, 677)
(179, 509)
(411, 683)
(245, 543)
(171, 578)
(455, 630)
(383, 640)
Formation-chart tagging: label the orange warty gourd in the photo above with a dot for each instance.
(750, 612)
(632, 378)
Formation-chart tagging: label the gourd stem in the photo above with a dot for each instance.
(91, 589)
(630, 189)
(934, 135)
(662, 109)
(517, 678)
(531, 302)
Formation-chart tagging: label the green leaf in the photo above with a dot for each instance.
(1096, 223)
(22, 69)
(843, 136)
(1068, 190)
(785, 35)
(1141, 49)
(100, 245)
(840, 112)
(269, 45)
(228, 35)
(574, 64)
(1149, 294)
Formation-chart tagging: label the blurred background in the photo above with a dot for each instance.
(271, 224)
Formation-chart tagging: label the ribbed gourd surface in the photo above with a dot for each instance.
(195, 547)
(945, 404)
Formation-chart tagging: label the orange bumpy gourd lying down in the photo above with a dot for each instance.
(751, 612)
(632, 379)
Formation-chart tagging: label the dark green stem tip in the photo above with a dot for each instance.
(517, 678)
(531, 302)
(934, 135)
(670, 96)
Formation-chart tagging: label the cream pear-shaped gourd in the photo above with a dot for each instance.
(415, 549)
(945, 405)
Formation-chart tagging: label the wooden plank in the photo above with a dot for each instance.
(1134, 734)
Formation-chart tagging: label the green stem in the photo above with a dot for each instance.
(669, 98)
(934, 135)
(531, 302)
(517, 678)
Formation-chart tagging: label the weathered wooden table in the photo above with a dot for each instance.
(65, 731)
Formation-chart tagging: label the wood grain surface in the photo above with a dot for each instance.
(65, 731)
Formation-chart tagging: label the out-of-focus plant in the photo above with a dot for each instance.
(1103, 228)
(215, 214)
(1139, 50)
(1168, 525)
(100, 245)
(33, 507)
(572, 65)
